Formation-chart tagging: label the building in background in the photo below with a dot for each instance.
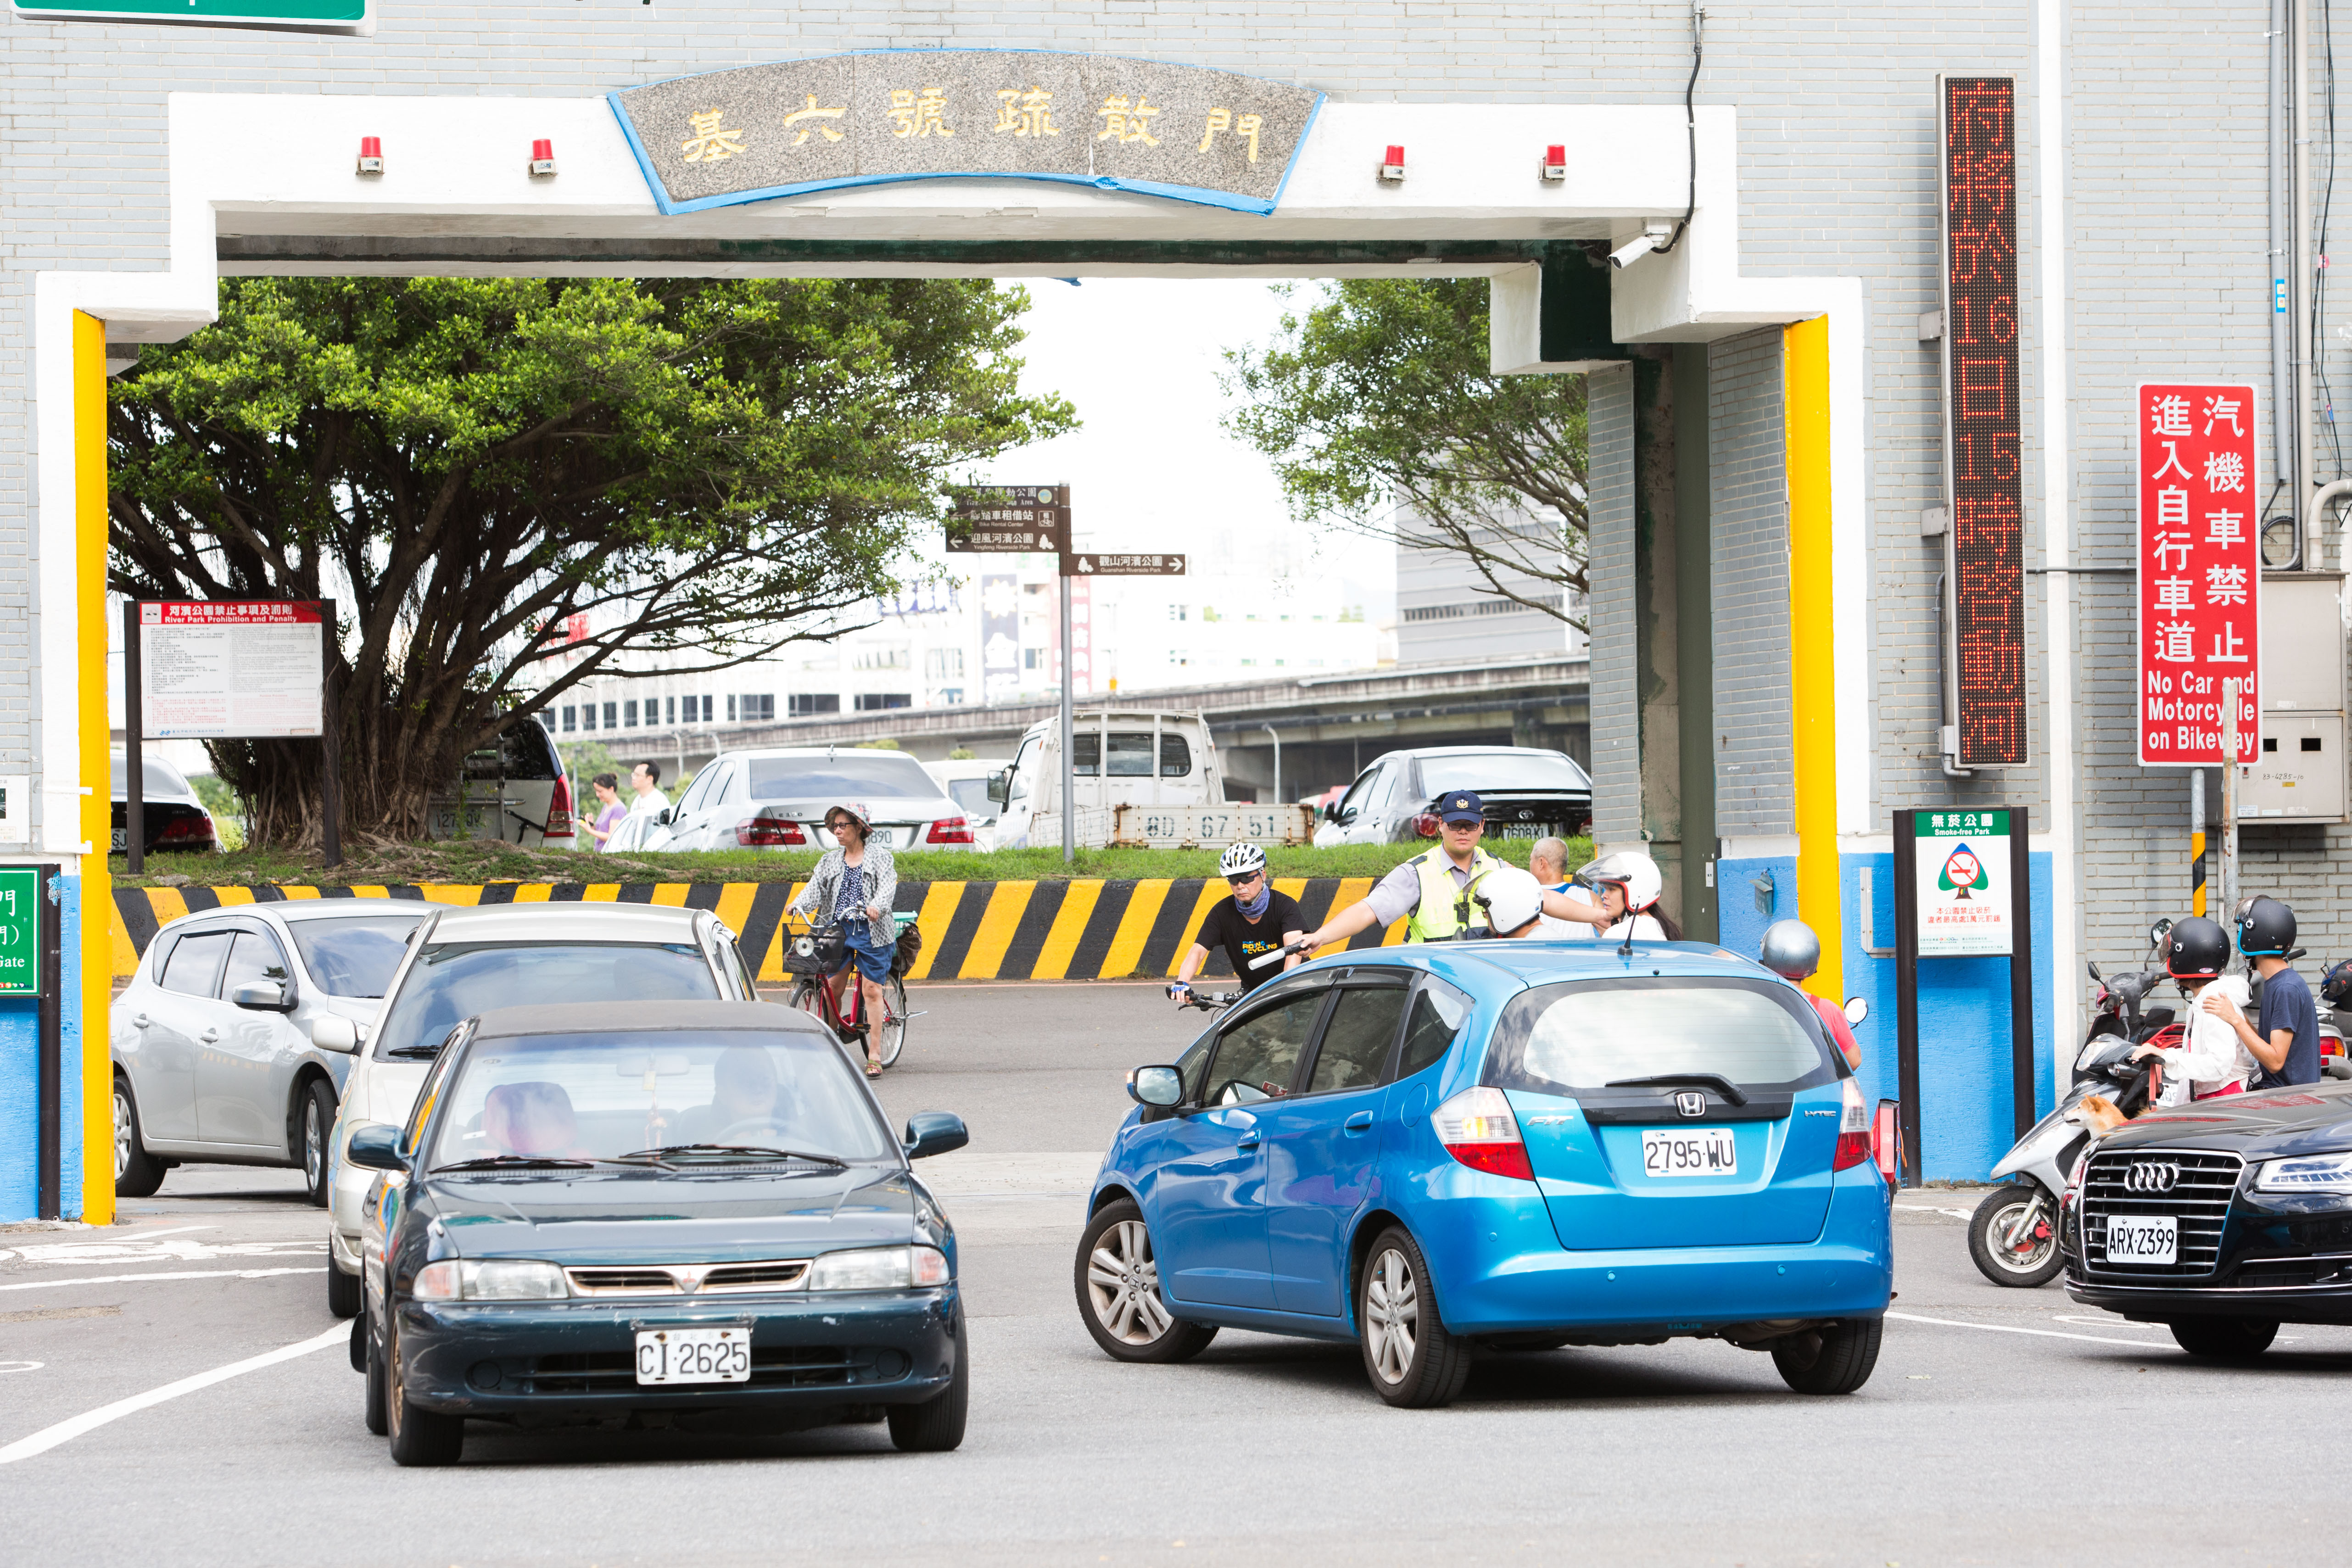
(1447, 611)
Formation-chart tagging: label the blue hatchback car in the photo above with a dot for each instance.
(1436, 1150)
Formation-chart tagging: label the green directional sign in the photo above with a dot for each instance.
(353, 16)
(20, 931)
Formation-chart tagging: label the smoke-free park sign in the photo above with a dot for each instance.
(349, 17)
(796, 126)
(1963, 863)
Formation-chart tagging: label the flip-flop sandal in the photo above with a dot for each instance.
(873, 1068)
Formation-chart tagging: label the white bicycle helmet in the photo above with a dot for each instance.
(1634, 871)
(1240, 859)
(1513, 899)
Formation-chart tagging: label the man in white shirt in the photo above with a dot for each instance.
(646, 779)
(1547, 862)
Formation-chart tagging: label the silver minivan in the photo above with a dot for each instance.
(214, 1059)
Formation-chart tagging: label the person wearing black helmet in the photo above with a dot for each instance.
(2287, 1045)
(2212, 1060)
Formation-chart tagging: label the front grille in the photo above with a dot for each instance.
(778, 1367)
(688, 1279)
(2198, 1198)
(2277, 1273)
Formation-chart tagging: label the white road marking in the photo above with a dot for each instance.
(83, 1253)
(176, 1274)
(1929, 1209)
(65, 1431)
(20, 1366)
(1994, 1328)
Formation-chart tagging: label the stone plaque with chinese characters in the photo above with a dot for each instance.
(2200, 572)
(780, 130)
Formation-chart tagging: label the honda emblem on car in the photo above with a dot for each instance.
(2151, 1175)
(1691, 1104)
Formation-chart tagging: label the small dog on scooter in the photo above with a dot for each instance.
(2099, 1113)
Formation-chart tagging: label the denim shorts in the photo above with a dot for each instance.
(874, 963)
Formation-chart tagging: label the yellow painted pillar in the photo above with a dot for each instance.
(98, 915)
(1812, 662)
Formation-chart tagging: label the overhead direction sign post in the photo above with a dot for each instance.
(1093, 565)
(1009, 519)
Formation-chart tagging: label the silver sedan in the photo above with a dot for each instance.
(214, 1059)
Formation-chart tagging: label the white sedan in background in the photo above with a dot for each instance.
(777, 798)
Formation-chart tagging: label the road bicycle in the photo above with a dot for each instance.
(818, 952)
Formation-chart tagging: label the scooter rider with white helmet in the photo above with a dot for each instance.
(1255, 921)
(1629, 885)
(2213, 1061)
(1791, 951)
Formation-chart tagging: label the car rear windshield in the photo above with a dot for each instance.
(1587, 1035)
(1491, 772)
(598, 1096)
(157, 779)
(971, 795)
(838, 779)
(354, 954)
(455, 980)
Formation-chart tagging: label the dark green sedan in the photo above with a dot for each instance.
(694, 1210)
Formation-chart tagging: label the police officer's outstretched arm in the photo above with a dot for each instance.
(1356, 918)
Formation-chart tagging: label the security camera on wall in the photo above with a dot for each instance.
(1651, 237)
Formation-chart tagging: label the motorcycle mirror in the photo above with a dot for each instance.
(2158, 932)
(1856, 1009)
(2094, 967)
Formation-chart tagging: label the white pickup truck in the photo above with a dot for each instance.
(1161, 787)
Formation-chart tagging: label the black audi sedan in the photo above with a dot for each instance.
(688, 1210)
(2221, 1219)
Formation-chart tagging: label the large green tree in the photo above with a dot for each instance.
(1380, 410)
(479, 470)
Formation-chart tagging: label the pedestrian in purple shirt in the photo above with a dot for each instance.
(609, 809)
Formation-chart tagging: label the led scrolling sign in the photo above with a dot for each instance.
(1982, 439)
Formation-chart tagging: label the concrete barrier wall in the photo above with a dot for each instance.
(1085, 929)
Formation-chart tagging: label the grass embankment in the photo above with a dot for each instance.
(476, 861)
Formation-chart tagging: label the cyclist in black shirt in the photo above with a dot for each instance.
(1254, 922)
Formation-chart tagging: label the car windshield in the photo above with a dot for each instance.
(837, 778)
(354, 954)
(1488, 772)
(1591, 1034)
(157, 778)
(455, 980)
(600, 1096)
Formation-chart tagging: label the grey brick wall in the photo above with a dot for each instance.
(1749, 485)
(1616, 768)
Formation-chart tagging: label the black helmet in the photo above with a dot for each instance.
(2197, 949)
(2266, 930)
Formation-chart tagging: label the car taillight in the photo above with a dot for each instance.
(1425, 825)
(949, 831)
(766, 832)
(559, 810)
(186, 830)
(1854, 1130)
(1478, 1128)
(1886, 1142)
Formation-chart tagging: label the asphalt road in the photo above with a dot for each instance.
(1973, 1443)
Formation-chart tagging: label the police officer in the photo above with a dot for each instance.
(1436, 892)
(2287, 1045)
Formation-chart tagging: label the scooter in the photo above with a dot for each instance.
(2013, 1234)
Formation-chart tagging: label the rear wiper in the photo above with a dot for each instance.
(412, 1052)
(1715, 1081)
(745, 1151)
(517, 1163)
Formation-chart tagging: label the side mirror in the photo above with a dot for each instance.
(932, 1133)
(1158, 1088)
(2158, 932)
(2094, 967)
(263, 997)
(329, 1031)
(376, 1146)
(1000, 785)
(663, 820)
(1856, 1009)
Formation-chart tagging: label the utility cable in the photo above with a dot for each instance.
(1690, 120)
(2317, 346)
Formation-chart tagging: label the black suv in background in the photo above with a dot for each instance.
(1528, 794)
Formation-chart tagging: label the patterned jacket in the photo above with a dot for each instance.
(825, 887)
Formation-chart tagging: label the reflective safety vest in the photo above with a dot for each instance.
(1445, 909)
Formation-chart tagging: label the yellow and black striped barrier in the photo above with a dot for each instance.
(1082, 929)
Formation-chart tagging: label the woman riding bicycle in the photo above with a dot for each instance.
(854, 885)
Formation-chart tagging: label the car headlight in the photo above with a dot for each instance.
(490, 1280)
(2306, 1173)
(879, 1269)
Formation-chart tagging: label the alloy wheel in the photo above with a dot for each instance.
(314, 1143)
(1392, 1315)
(121, 1132)
(1123, 1284)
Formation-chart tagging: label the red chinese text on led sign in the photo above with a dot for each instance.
(2200, 570)
(1982, 432)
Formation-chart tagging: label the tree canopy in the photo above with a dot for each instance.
(1381, 412)
(514, 486)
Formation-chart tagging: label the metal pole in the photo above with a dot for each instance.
(1070, 775)
(2282, 395)
(1906, 992)
(331, 740)
(2197, 840)
(48, 1199)
(2021, 970)
(1277, 761)
(134, 765)
(2229, 800)
(2306, 261)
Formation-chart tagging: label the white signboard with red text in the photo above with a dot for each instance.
(213, 670)
(2200, 572)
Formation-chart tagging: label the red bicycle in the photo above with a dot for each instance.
(818, 954)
